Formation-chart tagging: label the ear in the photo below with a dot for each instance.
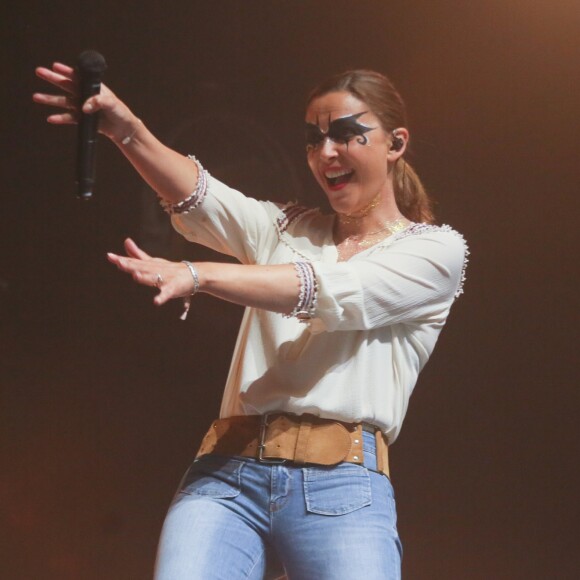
(399, 140)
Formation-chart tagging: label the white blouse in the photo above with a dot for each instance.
(376, 321)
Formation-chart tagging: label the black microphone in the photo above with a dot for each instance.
(90, 65)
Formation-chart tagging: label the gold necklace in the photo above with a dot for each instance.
(349, 218)
(392, 226)
(356, 243)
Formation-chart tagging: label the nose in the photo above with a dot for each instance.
(328, 148)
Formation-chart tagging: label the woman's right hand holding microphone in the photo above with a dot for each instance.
(169, 173)
(117, 122)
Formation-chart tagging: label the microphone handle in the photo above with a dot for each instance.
(87, 141)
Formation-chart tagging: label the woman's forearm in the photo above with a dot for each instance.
(274, 288)
(172, 175)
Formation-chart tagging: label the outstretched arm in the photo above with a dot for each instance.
(275, 288)
(173, 177)
(169, 173)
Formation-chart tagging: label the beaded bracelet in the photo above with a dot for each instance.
(187, 299)
(195, 199)
(306, 305)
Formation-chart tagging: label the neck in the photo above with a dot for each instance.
(366, 222)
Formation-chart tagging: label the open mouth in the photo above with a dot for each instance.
(338, 177)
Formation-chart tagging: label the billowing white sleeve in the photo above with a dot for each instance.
(230, 223)
(414, 279)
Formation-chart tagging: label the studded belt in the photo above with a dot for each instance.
(302, 439)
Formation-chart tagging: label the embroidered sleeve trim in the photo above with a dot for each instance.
(307, 297)
(195, 199)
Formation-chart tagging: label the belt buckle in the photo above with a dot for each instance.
(262, 444)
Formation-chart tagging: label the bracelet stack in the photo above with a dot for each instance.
(187, 299)
(304, 309)
(195, 199)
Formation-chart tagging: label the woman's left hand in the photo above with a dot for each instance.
(173, 279)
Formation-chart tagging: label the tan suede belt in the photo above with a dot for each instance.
(280, 437)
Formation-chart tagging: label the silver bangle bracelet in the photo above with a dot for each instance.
(187, 299)
(194, 275)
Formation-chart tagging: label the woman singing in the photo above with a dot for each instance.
(342, 313)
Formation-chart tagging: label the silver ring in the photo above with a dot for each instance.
(159, 280)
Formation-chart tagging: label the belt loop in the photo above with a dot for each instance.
(382, 453)
(302, 441)
(262, 436)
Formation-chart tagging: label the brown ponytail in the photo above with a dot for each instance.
(377, 91)
(411, 197)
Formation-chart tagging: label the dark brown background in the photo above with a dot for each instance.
(104, 397)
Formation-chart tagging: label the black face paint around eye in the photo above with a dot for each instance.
(314, 136)
(340, 131)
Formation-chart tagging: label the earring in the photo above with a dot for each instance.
(397, 143)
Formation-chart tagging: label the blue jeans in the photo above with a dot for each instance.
(237, 518)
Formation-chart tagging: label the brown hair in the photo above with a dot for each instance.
(377, 91)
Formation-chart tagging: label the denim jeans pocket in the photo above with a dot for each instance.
(336, 490)
(213, 476)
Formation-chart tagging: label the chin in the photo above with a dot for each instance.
(343, 202)
(339, 205)
(344, 207)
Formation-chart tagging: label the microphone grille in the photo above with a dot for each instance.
(91, 62)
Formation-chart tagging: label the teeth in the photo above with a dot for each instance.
(337, 173)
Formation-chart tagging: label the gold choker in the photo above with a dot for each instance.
(349, 218)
